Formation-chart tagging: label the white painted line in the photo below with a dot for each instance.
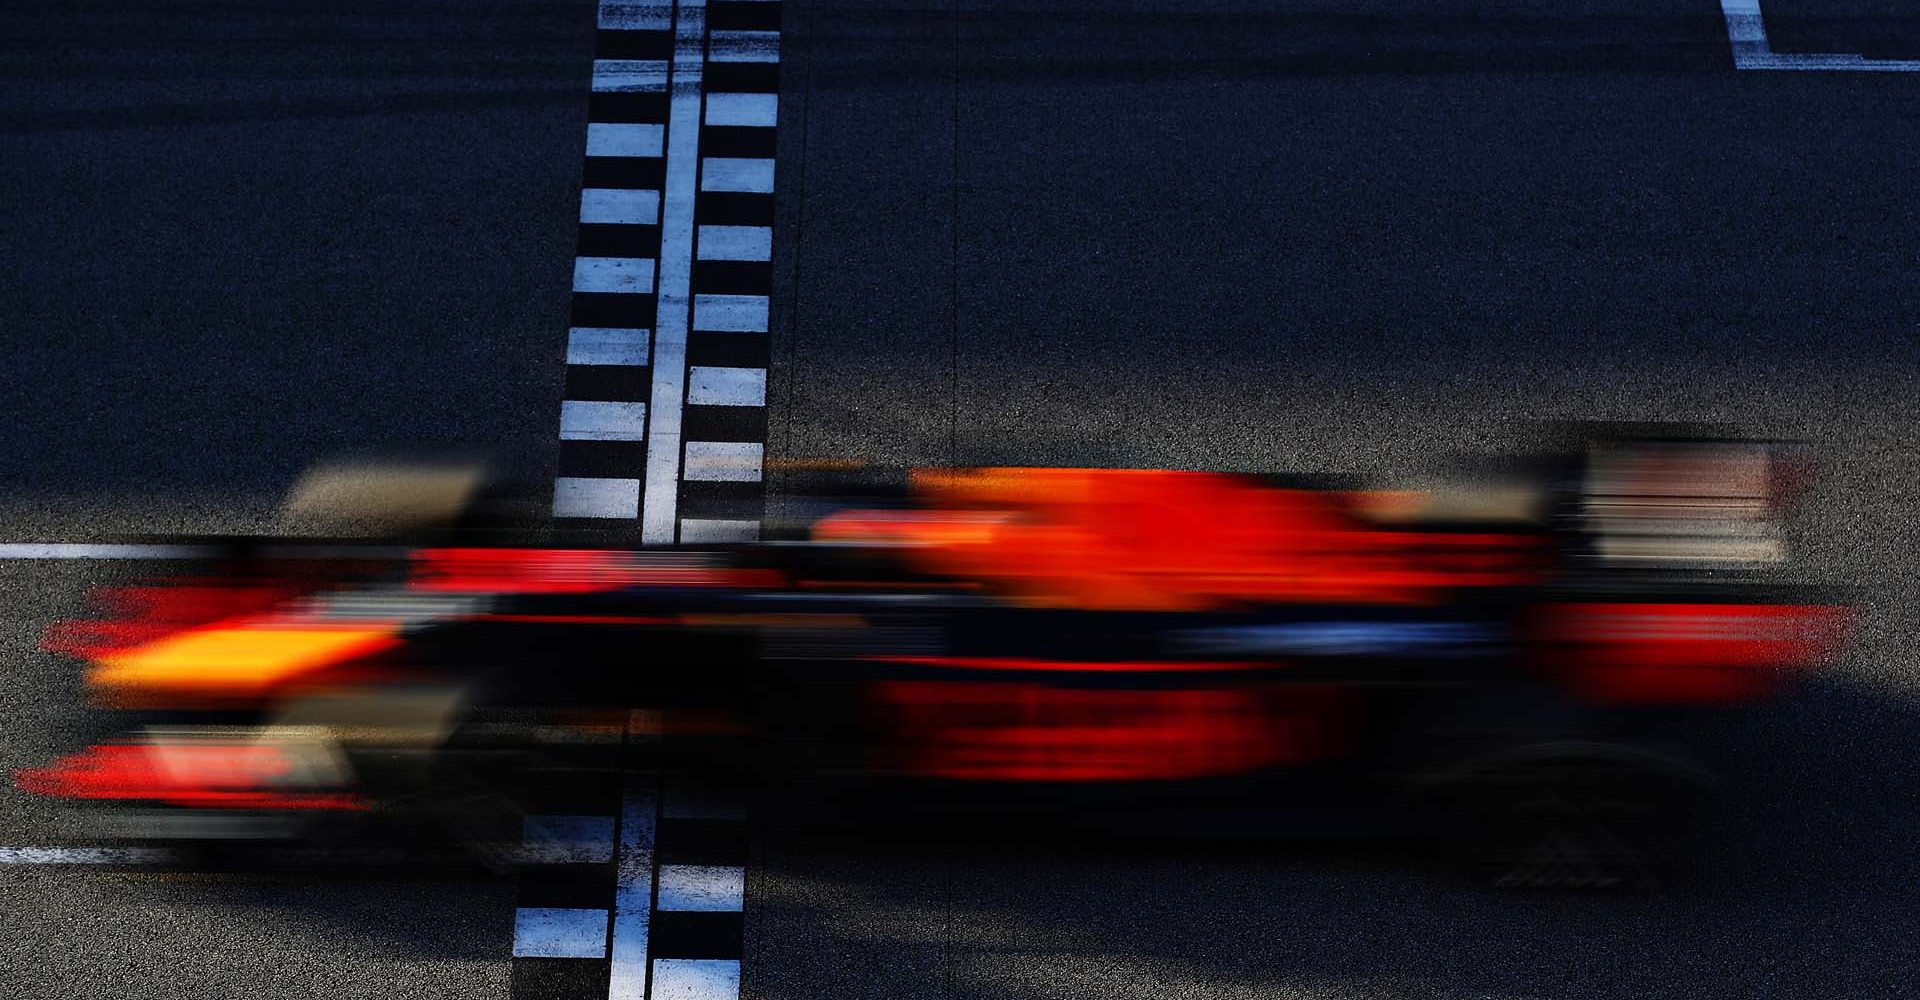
(736, 243)
(566, 840)
(621, 275)
(92, 550)
(702, 888)
(574, 497)
(730, 313)
(619, 206)
(550, 932)
(633, 889)
(600, 420)
(743, 109)
(629, 76)
(727, 386)
(734, 173)
(724, 461)
(1747, 31)
(661, 512)
(696, 979)
(604, 139)
(636, 16)
(606, 345)
(745, 46)
(83, 856)
(82, 550)
(716, 531)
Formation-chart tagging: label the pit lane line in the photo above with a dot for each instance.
(1747, 31)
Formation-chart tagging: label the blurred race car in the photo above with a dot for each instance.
(1505, 663)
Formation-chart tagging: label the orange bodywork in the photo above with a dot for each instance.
(1169, 541)
(238, 661)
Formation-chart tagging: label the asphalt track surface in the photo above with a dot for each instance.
(1327, 237)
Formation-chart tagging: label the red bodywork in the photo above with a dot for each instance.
(1684, 653)
(203, 775)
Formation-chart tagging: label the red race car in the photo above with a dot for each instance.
(1509, 663)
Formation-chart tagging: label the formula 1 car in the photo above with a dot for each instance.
(1508, 664)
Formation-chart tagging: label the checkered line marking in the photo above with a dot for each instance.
(632, 883)
(664, 414)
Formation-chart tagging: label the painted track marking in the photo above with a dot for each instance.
(84, 856)
(660, 504)
(82, 550)
(1747, 32)
(668, 344)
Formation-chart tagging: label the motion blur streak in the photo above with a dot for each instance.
(243, 661)
(1050, 666)
(1678, 653)
(1031, 732)
(559, 571)
(1477, 659)
(210, 775)
(1174, 541)
(142, 615)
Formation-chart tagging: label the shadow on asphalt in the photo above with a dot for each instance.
(1804, 888)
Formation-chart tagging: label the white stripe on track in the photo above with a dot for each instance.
(629, 76)
(697, 530)
(633, 889)
(1747, 32)
(619, 206)
(744, 175)
(659, 514)
(730, 313)
(702, 888)
(83, 856)
(602, 345)
(575, 496)
(613, 275)
(743, 109)
(559, 932)
(724, 461)
(637, 16)
(736, 243)
(696, 979)
(607, 139)
(83, 550)
(600, 420)
(746, 46)
(727, 386)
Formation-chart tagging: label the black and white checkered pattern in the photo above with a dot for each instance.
(632, 882)
(664, 418)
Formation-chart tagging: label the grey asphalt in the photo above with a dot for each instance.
(1313, 236)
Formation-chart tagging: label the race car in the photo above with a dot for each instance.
(1505, 664)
